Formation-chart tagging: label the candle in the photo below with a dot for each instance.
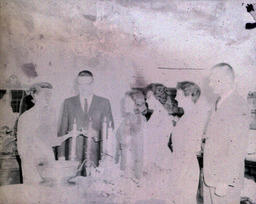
(88, 148)
(104, 136)
(73, 147)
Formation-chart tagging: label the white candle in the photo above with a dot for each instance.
(104, 136)
(73, 147)
(88, 147)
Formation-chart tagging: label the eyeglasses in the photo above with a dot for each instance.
(85, 83)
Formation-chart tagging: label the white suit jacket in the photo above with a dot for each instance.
(226, 143)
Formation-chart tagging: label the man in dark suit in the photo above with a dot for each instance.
(83, 108)
(226, 140)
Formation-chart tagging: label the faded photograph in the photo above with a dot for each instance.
(127, 102)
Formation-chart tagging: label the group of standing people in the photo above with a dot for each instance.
(220, 134)
(143, 137)
(37, 128)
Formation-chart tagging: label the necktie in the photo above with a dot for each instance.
(216, 103)
(85, 106)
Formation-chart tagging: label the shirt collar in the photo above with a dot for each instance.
(89, 100)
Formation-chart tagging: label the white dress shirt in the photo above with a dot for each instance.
(89, 101)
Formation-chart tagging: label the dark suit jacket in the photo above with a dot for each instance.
(72, 109)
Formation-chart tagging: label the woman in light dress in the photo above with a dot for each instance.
(36, 135)
(143, 146)
(157, 132)
(186, 139)
(129, 151)
(157, 155)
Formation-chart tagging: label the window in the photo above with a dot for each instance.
(16, 99)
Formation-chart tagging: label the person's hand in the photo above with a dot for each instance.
(221, 189)
(82, 131)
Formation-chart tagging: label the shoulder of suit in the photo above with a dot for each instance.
(239, 104)
(70, 99)
(101, 98)
(240, 101)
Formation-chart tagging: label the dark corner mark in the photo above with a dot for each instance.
(29, 70)
(250, 26)
(252, 11)
(249, 8)
(178, 68)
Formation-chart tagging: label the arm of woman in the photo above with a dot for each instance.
(58, 140)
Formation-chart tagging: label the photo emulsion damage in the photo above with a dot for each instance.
(127, 102)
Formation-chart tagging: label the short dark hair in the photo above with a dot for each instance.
(136, 93)
(225, 67)
(189, 89)
(85, 73)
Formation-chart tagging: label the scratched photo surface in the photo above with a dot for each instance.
(127, 101)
